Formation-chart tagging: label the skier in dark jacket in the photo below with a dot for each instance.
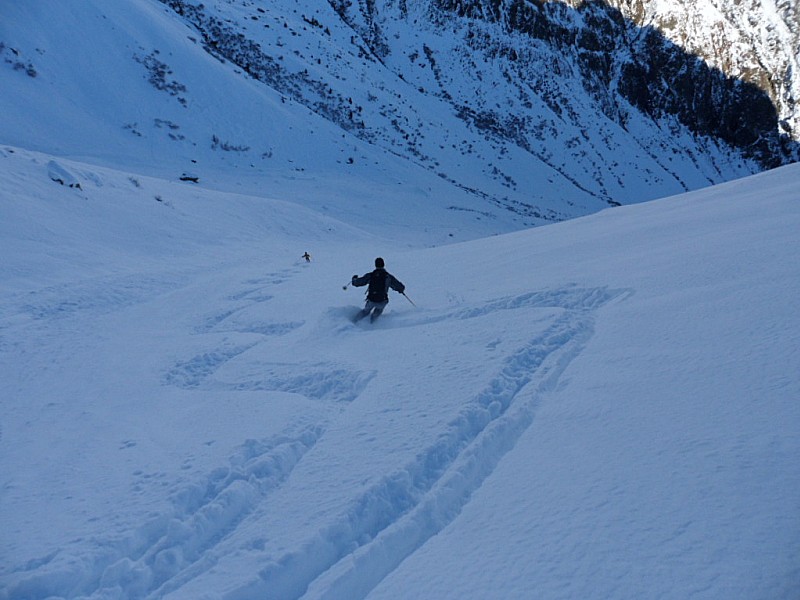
(379, 281)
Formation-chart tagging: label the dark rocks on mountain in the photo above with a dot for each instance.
(656, 76)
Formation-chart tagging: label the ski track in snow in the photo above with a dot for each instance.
(324, 382)
(391, 520)
(99, 295)
(173, 548)
(384, 525)
(202, 513)
(254, 294)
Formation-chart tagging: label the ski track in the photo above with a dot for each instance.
(172, 548)
(383, 526)
(391, 520)
(325, 382)
(100, 295)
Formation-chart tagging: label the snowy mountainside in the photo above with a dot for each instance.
(601, 408)
(378, 100)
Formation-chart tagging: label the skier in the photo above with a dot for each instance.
(379, 281)
(307, 256)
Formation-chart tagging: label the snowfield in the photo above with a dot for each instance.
(602, 408)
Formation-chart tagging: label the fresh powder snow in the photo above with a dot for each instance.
(602, 408)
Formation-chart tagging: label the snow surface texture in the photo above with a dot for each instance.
(605, 408)
(602, 408)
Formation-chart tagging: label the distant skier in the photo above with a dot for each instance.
(379, 281)
(307, 256)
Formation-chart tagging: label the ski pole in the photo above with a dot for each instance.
(344, 287)
(409, 299)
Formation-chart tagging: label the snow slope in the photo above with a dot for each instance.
(602, 408)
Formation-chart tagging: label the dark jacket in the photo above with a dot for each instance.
(379, 281)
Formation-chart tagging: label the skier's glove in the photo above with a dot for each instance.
(354, 278)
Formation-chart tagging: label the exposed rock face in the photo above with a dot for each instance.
(754, 43)
(757, 42)
(724, 69)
